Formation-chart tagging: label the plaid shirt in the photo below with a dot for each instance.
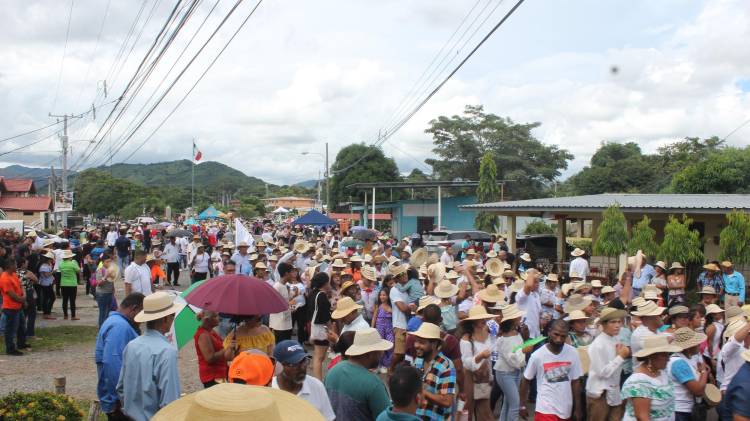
(438, 378)
(717, 282)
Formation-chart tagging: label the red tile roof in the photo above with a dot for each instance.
(36, 204)
(18, 185)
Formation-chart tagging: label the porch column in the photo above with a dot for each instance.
(580, 227)
(511, 240)
(561, 247)
(373, 208)
(440, 208)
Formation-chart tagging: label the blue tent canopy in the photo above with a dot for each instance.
(191, 221)
(314, 218)
(209, 213)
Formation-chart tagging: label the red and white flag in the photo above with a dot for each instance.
(197, 155)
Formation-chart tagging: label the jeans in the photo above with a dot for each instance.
(683, 416)
(30, 314)
(69, 296)
(173, 272)
(14, 330)
(104, 301)
(509, 382)
(48, 299)
(123, 262)
(183, 261)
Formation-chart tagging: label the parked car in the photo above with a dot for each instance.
(437, 241)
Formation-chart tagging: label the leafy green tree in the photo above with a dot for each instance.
(724, 171)
(681, 243)
(99, 193)
(612, 236)
(460, 141)
(487, 192)
(734, 239)
(349, 168)
(538, 227)
(643, 237)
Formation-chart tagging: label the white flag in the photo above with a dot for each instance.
(242, 234)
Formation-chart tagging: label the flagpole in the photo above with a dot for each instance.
(192, 180)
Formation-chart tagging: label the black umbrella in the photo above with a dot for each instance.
(180, 233)
(365, 234)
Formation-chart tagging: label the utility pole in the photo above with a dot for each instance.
(64, 143)
(328, 183)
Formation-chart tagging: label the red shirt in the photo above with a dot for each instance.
(215, 370)
(10, 282)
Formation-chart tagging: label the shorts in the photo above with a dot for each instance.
(538, 416)
(319, 342)
(399, 335)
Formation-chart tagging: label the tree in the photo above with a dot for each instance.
(99, 193)
(538, 227)
(734, 239)
(350, 167)
(487, 192)
(680, 244)
(723, 171)
(612, 236)
(643, 237)
(461, 141)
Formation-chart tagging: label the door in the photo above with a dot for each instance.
(425, 223)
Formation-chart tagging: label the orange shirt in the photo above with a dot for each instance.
(157, 272)
(10, 282)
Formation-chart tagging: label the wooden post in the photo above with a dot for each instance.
(59, 383)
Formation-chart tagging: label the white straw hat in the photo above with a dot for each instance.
(368, 340)
(427, 331)
(344, 306)
(649, 309)
(479, 313)
(656, 344)
(446, 289)
(491, 294)
(157, 305)
(511, 311)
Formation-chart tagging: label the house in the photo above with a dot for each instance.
(290, 202)
(18, 200)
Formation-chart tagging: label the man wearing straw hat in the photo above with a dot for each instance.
(711, 276)
(355, 392)
(650, 315)
(149, 379)
(438, 374)
(734, 284)
(607, 356)
(579, 264)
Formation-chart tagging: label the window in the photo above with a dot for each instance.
(28, 213)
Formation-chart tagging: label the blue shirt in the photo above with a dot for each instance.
(243, 263)
(149, 379)
(115, 333)
(96, 252)
(735, 284)
(736, 396)
(716, 281)
(647, 272)
(389, 415)
(414, 324)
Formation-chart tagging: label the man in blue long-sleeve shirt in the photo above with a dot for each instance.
(734, 285)
(116, 332)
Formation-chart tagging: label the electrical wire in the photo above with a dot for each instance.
(745, 123)
(29, 132)
(65, 52)
(93, 54)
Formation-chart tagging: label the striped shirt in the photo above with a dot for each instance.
(438, 378)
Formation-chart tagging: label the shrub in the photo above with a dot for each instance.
(39, 406)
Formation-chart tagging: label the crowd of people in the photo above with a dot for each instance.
(382, 329)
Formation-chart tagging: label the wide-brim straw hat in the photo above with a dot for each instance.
(734, 313)
(713, 309)
(261, 265)
(517, 285)
(157, 305)
(607, 289)
(368, 272)
(246, 244)
(651, 292)
(491, 294)
(566, 288)
(299, 246)
(151, 258)
(478, 312)
(576, 302)
(576, 315)
(575, 275)
(491, 254)
(708, 289)
(338, 263)
(733, 327)
(368, 340)
(511, 311)
(656, 344)
(235, 402)
(726, 264)
(344, 306)
(446, 289)
(346, 285)
(436, 272)
(526, 257)
(638, 301)
(678, 310)
(610, 313)
(552, 277)
(676, 265)
(426, 300)
(427, 331)
(661, 264)
(367, 258)
(712, 267)
(577, 252)
(67, 254)
(649, 309)
(498, 281)
(596, 283)
(685, 338)
(397, 269)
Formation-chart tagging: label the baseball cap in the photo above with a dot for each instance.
(289, 352)
(253, 368)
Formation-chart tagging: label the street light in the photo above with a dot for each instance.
(326, 174)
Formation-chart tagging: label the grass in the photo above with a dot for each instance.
(54, 338)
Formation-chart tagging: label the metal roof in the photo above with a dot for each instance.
(413, 184)
(656, 203)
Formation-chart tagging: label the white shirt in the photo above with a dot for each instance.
(183, 243)
(283, 320)
(554, 374)
(357, 324)
(446, 259)
(636, 341)
(399, 318)
(200, 263)
(605, 369)
(171, 253)
(507, 359)
(192, 248)
(532, 305)
(139, 278)
(683, 398)
(111, 238)
(467, 356)
(730, 361)
(580, 266)
(314, 392)
(58, 258)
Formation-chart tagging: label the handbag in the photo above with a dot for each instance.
(318, 332)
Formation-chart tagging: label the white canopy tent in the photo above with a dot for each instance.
(281, 209)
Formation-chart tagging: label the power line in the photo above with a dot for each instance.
(65, 51)
(745, 123)
(93, 54)
(252, 12)
(29, 132)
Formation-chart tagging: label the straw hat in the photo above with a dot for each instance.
(151, 258)
(300, 247)
(726, 264)
(471, 252)
(596, 283)
(580, 286)
(157, 305)
(446, 289)
(661, 265)
(610, 313)
(397, 269)
(480, 269)
(708, 289)
(346, 285)
(244, 244)
(676, 310)
(344, 306)
(491, 294)
(649, 309)
(574, 275)
(67, 254)
(261, 265)
(49, 255)
(356, 259)
(676, 265)
(576, 315)
(368, 340)
(638, 301)
(426, 300)
(235, 402)
(552, 277)
(713, 309)
(452, 275)
(368, 272)
(711, 394)
(685, 338)
(512, 312)
(427, 331)
(651, 292)
(517, 285)
(436, 272)
(607, 289)
(491, 254)
(712, 267)
(392, 259)
(656, 344)
(272, 258)
(733, 327)
(566, 288)
(478, 312)
(526, 257)
(367, 259)
(338, 263)
(576, 302)
(577, 252)
(734, 313)
(498, 281)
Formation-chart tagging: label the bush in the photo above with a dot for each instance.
(538, 227)
(39, 406)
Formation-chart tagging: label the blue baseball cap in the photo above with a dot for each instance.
(289, 352)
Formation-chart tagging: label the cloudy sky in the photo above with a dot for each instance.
(302, 73)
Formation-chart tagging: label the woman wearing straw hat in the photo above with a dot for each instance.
(511, 360)
(446, 291)
(688, 376)
(676, 283)
(70, 277)
(476, 351)
(714, 327)
(649, 392)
